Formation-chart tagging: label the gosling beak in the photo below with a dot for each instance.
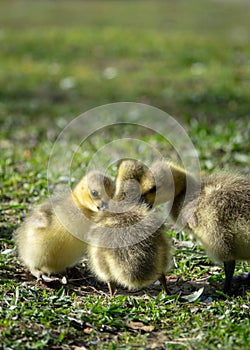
(103, 206)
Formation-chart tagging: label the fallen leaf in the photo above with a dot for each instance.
(193, 296)
(88, 330)
(140, 326)
(49, 279)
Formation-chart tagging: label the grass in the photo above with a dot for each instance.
(61, 59)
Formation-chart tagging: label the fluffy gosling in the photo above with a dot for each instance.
(130, 247)
(217, 210)
(46, 241)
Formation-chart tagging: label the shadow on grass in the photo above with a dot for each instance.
(81, 282)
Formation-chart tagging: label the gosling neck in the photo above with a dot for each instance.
(186, 189)
(180, 178)
(86, 211)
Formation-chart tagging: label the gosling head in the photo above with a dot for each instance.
(129, 174)
(94, 191)
(157, 183)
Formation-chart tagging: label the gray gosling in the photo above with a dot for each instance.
(129, 247)
(44, 241)
(217, 210)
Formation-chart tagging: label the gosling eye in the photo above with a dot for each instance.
(94, 193)
(152, 189)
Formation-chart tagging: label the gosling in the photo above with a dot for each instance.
(217, 210)
(51, 239)
(129, 171)
(129, 247)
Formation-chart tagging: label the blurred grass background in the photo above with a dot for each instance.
(191, 59)
(58, 59)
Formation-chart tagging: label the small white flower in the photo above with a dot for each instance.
(110, 72)
(198, 68)
(67, 83)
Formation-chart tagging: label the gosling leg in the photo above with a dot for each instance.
(229, 267)
(163, 281)
(112, 288)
